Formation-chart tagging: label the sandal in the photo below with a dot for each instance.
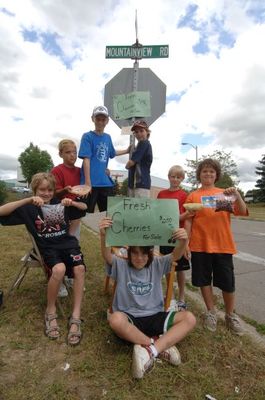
(74, 338)
(53, 332)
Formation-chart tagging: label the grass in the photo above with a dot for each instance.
(256, 211)
(33, 367)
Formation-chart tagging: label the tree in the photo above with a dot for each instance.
(3, 192)
(34, 160)
(229, 169)
(260, 184)
(124, 188)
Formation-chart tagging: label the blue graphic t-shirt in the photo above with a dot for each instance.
(99, 149)
(139, 292)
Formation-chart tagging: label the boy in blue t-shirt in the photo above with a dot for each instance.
(96, 148)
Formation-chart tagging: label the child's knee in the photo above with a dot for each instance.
(190, 319)
(115, 319)
(79, 271)
(187, 317)
(58, 271)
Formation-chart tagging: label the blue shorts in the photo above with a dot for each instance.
(153, 325)
(213, 268)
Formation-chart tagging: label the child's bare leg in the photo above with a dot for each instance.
(184, 322)
(52, 291)
(54, 282)
(181, 285)
(125, 330)
(229, 301)
(78, 289)
(207, 294)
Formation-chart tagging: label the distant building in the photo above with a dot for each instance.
(157, 184)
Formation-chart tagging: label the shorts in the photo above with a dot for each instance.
(153, 325)
(182, 264)
(139, 192)
(98, 196)
(213, 268)
(69, 257)
(75, 213)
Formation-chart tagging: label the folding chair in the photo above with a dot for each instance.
(170, 277)
(33, 259)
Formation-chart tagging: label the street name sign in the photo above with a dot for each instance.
(137, 52)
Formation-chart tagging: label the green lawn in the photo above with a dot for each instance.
(33, 367)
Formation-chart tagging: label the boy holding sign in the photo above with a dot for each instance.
(176, 174)
(138, 314)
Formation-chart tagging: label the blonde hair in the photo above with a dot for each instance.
(177, 169)
(38, 178)
(65, 142)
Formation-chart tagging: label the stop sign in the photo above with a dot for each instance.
(147, 81)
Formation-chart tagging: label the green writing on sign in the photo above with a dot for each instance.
(134, 104)
(141, 221)
(157, 51)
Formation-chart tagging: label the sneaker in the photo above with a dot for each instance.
(143, 361)
(210, 321)
(181, 305)
(62, 291)
(173, 305)
(170, 355)
(233, 323)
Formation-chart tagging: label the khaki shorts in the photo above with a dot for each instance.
(138, 192)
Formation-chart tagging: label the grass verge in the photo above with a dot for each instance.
(33, 367)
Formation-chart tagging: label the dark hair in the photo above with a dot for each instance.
(145, 250)
(209, 162)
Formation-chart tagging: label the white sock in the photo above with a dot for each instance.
(153, 350)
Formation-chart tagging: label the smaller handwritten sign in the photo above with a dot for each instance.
(142, 221)
(134, 104)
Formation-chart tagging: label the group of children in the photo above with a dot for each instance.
(53, 214)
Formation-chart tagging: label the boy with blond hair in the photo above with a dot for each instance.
(176, 174)
(47, 220)
(67, 175)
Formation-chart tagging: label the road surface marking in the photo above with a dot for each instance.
(250, 258)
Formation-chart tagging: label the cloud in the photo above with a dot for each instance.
(53, 72)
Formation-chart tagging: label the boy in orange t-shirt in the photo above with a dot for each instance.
(212, 245)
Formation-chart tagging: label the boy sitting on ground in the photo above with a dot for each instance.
(138, 315)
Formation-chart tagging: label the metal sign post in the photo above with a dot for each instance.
(122, 96)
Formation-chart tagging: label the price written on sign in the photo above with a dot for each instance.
(142, 221)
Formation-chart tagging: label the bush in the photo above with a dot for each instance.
(3, 192)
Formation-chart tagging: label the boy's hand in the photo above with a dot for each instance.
(37, 201)
(180, 234)
(67, 189)
(232, 190)
(66, 202)
(105, 223)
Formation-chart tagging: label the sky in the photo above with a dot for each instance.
(53, 71)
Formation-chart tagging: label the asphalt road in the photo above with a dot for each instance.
(250, 268)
